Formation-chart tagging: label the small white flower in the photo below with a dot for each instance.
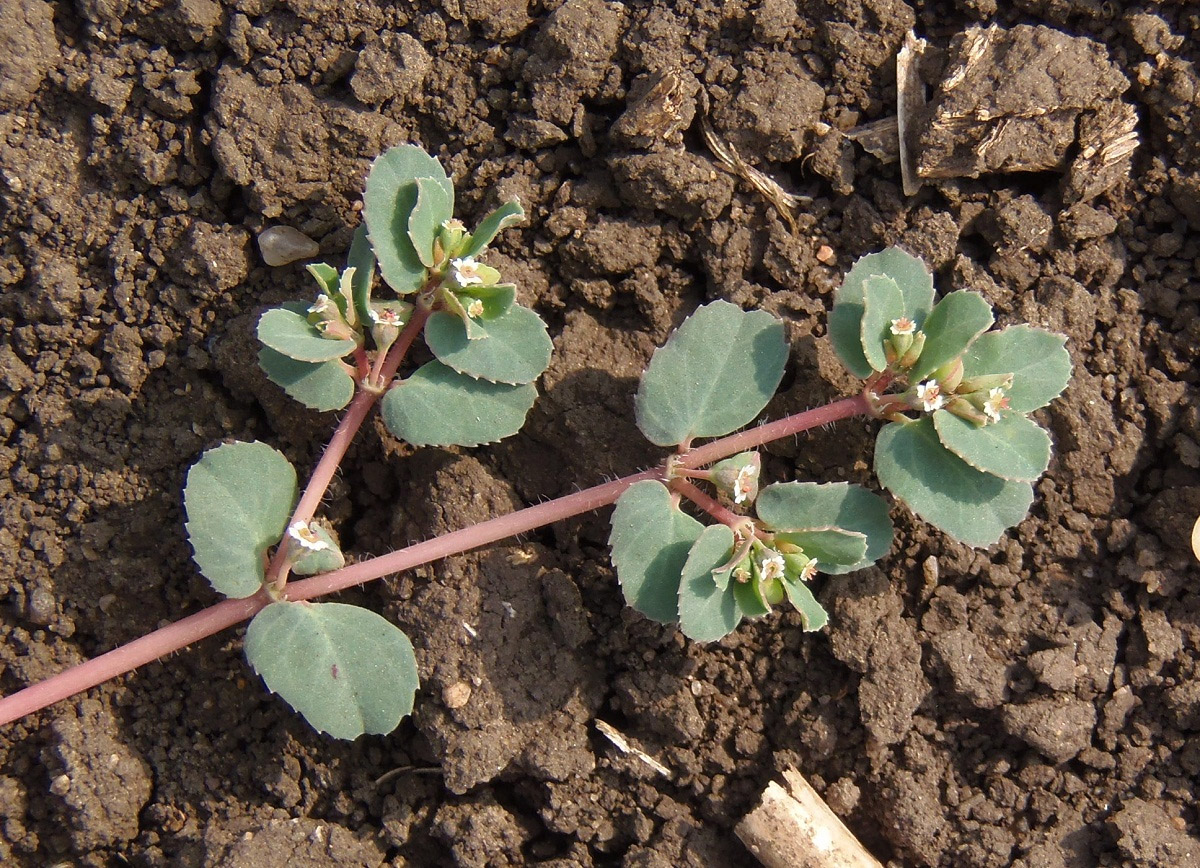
(743, 483)
(996, 401)
(930, 395)
(466, 271)
(810, 570)
(307, 537)
(453, 224)
(771, 567)
(385, 316)
(475, 308)
(903, 326)
(324, 305)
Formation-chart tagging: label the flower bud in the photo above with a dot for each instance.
(949, 376)
(914, 351)
(964, 408)
(985, 382)
(736, 478)
(451, 236)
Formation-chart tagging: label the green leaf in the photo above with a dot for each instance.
(362, 259)
(829, 546)
(812, 613)
(287, 330)
(972, 506)
(316, 385)
(882, 302)
(714, 374)
(348, 670)
(1016, 447)
(708, 611)
(496, 299)
(650, 541)
(513, 348)
(845, 320)
(952, 326)
(506, 215)
(388, 203)
(238, 499)
(795, 506)
(326, 560)
(749, 598)
(435, 205)
(326, 276)
(438, 406)
(1037, 359)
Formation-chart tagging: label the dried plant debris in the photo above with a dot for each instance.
(910, 100)
(1022, 100)
(785, 203)
(661, 106)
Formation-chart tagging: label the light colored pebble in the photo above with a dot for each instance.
(281, 245)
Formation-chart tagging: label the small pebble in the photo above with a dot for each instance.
(825, 254)
(281, 245)
(456, 695)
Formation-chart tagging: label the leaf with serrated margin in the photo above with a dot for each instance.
(438, 406)
(882, 302)
(812, 613)
(388, 203)
(362, 259)
(829, 546)
(951, 327)
(650, 540)
(788, 506)
(238, 499)
(317, 385)
(286, 330)
(508, 214)
(348, 670)
(513, 348)
(707, 611)
(974, 507)
(845, 320)
(1037, 359)
(715, 374)
(1016, 447)
(435, 205)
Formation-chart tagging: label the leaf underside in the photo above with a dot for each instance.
(972, 506)
(238, 499)
(348, 670)
(650, 540)
(831, 546)
(797, 506)
(714, 375)
(812, 613)
(317, 385)
(514, 348)
(362, 259)
(438, 406)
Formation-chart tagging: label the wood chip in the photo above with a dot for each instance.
(910, 101)
(622, 744)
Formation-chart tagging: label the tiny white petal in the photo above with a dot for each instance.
(810, 570)
(903, 326)
(930, 395)
(466, 271)
(303, 534)
(771, 567)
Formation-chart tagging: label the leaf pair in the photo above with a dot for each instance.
(674, 569)
(306, 363)
(346, 669)
(967, 466)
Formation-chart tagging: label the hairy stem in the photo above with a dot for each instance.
(229, 612)
(707, 503)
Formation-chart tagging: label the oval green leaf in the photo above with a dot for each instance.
(508, 214)
(435, 205)
(708, 610)
(749, 597)
(317, 385)
(438, 406)
(388, 203)
(829, 546)
(1016, 447)
(513, 348)
(845, 320)
(1037, 359)
(812, 613)
(325, 560)
(362, 259)
(714, 374)
(972, 506)
(286, 330)
(797, 506)
(650, 541)
(348, 670)
(238, 499)
(882, 303)
(951, 327)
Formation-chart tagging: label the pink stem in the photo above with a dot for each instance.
(229, 612)
(707, 503)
